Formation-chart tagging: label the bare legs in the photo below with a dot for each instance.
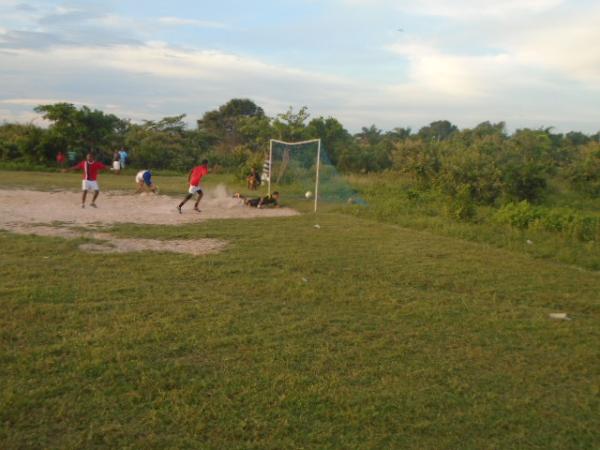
(187, 197)
(84, 196)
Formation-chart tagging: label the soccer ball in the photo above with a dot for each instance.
(308, 194)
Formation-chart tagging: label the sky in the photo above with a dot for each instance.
(530, 63)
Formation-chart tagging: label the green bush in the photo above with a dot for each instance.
(474, 167)
(566, 221)
(461, 206)
(584, 172)
(518, 215)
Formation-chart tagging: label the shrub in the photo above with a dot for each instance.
(584, 172)
(474, 167)
(461, 206)
(558, 220)
(518, 215)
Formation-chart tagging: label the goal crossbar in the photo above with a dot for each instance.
(318, 162)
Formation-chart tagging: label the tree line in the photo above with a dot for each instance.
(485, 163)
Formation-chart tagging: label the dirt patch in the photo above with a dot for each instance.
(111, 244)
(24, 212)
(31, 207)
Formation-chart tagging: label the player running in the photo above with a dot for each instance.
(90, 168)
(194, 180)
(143, 180)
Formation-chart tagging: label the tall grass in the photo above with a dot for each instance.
(564, 234)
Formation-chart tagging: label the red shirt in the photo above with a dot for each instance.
(60, 157)
(197, 174)
(90, 170)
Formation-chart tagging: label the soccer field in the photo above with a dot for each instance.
(353, 334)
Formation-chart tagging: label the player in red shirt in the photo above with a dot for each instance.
(194, 180)
(90, 168)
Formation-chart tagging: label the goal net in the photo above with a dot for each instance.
(302, 171)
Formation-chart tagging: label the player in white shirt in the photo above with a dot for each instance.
(144, 182)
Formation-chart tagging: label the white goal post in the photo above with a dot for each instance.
(291, 144)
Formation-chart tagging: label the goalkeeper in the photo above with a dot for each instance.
(269, 201)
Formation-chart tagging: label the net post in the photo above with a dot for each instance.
(270, 164)
(317, 180)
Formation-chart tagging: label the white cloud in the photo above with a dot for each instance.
(504, 60)
(36, 101)
(459, 76)
(155, 80)
(566, 46)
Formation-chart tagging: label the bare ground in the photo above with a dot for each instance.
(30, 207)
(23, 212)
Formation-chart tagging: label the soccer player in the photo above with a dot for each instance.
(194, 180)
(90, 168)
(144, 180)
(261, 202)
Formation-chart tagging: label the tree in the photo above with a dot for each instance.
(398, 134)
(291, 126)
(172, 124)
(26, 143)
(526, 164)
(333, 135)
(223, 124)
(577, 138)
(584, 172)
(76, 128)
(369, 135)
(437, 131)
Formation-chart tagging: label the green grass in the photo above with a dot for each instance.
(389, 201)
(355, 335)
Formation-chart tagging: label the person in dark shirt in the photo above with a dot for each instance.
(271, 201)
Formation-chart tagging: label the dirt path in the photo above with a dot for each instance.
(23, 211)
(30, 207)
(110, 244)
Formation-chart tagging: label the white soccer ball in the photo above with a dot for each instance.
(308, 194)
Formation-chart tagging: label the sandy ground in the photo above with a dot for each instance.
(30, 207)
(24, 212)
(110, 244)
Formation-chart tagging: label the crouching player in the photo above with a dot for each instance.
(143, 180)
(271, 201)
(194, 180)
(90, 168)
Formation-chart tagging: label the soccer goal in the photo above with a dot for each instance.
(294, 167)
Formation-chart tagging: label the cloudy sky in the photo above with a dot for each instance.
(392, 63)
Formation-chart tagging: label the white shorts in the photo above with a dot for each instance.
(139, 178)
(195, 189)
(87, 185)
(116, 165)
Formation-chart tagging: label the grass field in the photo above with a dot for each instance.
(358, 334)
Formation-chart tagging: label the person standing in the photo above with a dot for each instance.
(123, 156)
(60, 159)
(116, 163)
(194, 181)
(90, 168)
